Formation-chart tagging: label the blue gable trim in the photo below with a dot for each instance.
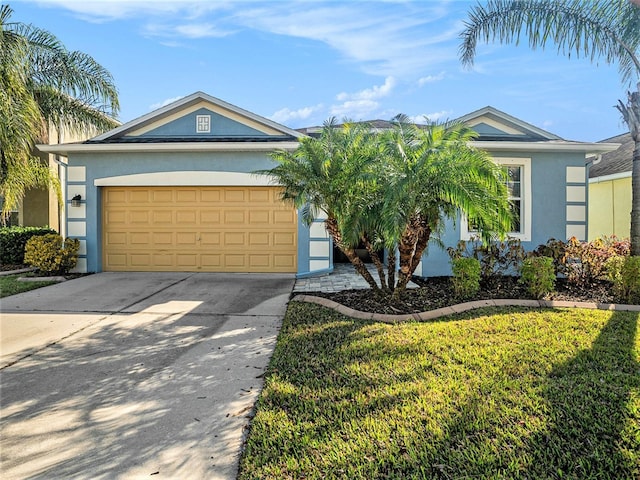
(185, 127)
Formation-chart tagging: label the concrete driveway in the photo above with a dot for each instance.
(135, 375)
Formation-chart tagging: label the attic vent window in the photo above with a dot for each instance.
(203, 123)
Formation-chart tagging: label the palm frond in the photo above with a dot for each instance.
(607, 29)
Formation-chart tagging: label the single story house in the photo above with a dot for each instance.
(174, 191)
(610, 190)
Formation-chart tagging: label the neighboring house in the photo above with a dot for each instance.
(610, 190)
(39, 207)
(174, 191)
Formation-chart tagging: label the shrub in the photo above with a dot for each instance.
(538, 274)
(556, 250)
(584, 262)
(50, 256)
(627, 285)
(496, 258)
(13, 241)
(466, 276)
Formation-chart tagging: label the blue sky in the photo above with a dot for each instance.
(300, 62)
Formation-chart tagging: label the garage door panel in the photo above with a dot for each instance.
(162, 217)
(139, 238)
(186, 238)
(259, 239)
(210, 217)
(186, 195)
(162, 238)
(234, 239)
(210, 239)
(186, 260)
(235, 261)
(116, 216)
(186, 216)
(139, 259)
(116, 238)
(234, 217)
(283, 217)
(138, 196)
(162, 196)
(210, 195)
(232, 195)
(236, 229)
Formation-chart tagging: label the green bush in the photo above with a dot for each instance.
(627, 284)
(584, 262)
(13, 241)
(538, 274)
(466, 277)
(496, 258)
(50, 256)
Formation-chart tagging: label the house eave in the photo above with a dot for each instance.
(66, 149)
(551, 146)
(609, 178)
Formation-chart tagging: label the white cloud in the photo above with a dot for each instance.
(188, 31)
(107, 10)
(430, 79)
(431, 117)
(382, 38)
(359, 105)
(377, 91)
(287, 115)
(354, 109)
(166, 102)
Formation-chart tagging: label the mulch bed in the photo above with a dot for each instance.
(436, 292)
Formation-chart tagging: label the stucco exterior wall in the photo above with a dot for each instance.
(558, 206)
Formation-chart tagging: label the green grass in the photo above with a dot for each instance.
(9, 285)
(535, 394)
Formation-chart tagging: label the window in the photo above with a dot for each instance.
(518, 181)
(203, 123)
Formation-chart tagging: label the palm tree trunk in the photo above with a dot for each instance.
(331, 225)
(391, 268)
(376, 261)
(421, 245)
(406, 250)
(631, 114)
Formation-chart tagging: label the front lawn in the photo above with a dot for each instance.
(490, 394)
(9, 285)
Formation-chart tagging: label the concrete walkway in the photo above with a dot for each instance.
(343, 277)
(148, 375)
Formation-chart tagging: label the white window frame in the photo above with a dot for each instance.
(203, 123)
(525, 198)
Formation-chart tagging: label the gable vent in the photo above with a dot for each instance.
(203, 123)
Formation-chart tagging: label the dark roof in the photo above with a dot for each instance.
(129, 140)
(617, 161)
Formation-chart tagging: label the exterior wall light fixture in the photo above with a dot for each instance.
(76, 201)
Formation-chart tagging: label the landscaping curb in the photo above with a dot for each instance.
(14, 272)
(462, 307)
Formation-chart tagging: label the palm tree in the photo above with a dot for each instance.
(598, 29)
(432, 174)
(393, 189)
(43, 85)
(327, 174)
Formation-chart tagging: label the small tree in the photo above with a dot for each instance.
(429, 175)
(393, 189)
(328, 174)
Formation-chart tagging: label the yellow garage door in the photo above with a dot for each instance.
(209, 229)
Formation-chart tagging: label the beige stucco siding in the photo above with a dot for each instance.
(610, 208)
